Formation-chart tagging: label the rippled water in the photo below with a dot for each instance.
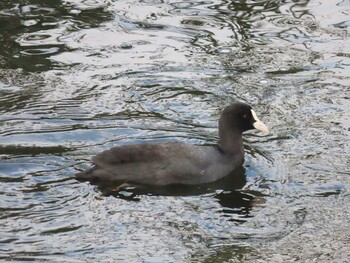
(78, 77)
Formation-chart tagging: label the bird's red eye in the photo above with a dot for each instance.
(246, 116)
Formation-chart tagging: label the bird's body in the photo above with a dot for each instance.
(176, 162)
(162, 164)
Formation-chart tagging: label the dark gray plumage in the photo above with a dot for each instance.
(177, 162)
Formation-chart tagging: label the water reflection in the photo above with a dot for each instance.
(41, 27)
(226, 191)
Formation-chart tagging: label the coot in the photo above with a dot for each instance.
(177, 162)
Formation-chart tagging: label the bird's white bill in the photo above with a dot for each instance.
(258, 124)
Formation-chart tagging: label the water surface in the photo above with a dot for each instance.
(78, 77)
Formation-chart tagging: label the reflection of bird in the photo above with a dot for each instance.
(177, 162)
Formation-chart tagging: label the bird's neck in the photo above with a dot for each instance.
(232, 144)
(231, 141)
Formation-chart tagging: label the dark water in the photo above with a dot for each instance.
(78, 77)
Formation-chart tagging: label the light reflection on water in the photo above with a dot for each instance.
(78, 77)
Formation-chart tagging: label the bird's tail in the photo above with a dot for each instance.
(87, 175)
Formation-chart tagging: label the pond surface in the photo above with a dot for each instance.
(79, 76)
